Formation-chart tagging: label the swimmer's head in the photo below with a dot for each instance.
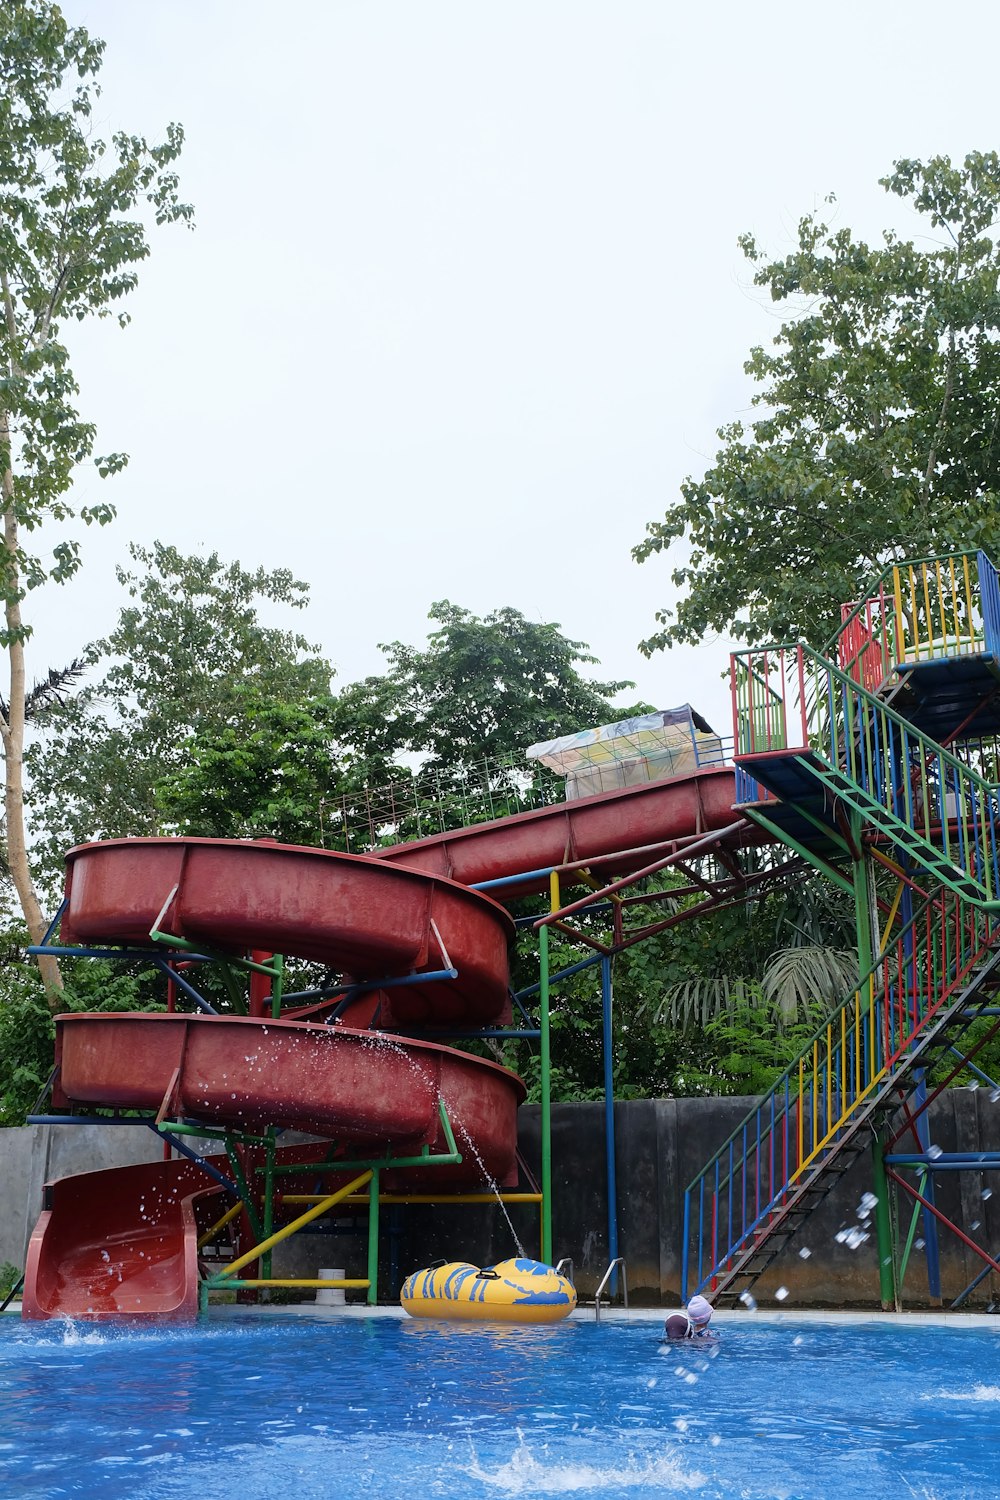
(699, 1310)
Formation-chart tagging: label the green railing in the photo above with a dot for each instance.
(907, 786)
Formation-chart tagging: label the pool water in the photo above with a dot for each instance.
(299, 1408)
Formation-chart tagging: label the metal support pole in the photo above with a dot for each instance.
(289, 1229)
(546, 1074)
(931, 1245)
(862, 903)
(372, 1297)
(888, 1290)
(609, 1119)
(265, 1264)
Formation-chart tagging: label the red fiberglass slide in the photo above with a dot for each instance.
(124, 1242)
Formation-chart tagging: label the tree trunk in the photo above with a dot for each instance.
(12, 737)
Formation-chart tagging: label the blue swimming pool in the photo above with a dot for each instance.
(258, 1408)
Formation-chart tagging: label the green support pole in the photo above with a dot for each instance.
(863, 908)
(543, 998)
(373, 1192)
(249, 1203)
(862, 903)
(911, 1232)
(269, 1156)
(888, 1290)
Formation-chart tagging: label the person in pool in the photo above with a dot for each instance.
(691, 1322)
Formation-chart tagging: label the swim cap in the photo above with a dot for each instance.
(699, 1310)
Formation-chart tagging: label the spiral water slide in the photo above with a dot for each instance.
(124, 1242)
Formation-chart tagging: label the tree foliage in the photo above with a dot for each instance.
(480, 688)
(877, 434)
(27, 1031)
(72, 232)
(264, 773)
(190, 694)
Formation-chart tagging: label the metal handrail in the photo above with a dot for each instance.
(567, 1260)
(618, 1261)
(18, 1284)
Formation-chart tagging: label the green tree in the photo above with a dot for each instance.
(27, 1032)
(481, 688)
(190, 678)
(878, 429)
(438, 740)
(70, 240)
(266, 773)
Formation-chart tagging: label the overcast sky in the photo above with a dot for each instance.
(464, 304)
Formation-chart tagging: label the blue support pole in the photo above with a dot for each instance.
(932, 1253)
(609, 1118)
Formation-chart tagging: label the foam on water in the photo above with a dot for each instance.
(525, 1473)
(987, 1393)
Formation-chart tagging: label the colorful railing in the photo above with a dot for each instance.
(919, 611)
(945, 813)
(730, 1205)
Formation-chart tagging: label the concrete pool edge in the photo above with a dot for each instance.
(618, 1315)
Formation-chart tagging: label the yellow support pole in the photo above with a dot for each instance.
(897, 590)
(296, 1224)
(349, 1284)
(220, 1224)
(927, 609)
(360, 1200)
(893, 910)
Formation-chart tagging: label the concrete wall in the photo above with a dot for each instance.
(661, 1145)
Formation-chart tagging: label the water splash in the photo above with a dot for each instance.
(525, 1474)
(380, 1040)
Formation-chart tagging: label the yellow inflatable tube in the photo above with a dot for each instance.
(512, 1291)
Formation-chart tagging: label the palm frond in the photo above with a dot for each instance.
(53, 688)
(795, 984)
(801, 980)
(696, 1001)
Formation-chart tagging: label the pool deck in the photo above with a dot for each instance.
(585, 1313)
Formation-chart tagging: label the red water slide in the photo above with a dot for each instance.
(123, 1243)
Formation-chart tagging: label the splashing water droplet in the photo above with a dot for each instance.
(805, 1252)
(781, 1294)
(748, 1301)
(934, 1152)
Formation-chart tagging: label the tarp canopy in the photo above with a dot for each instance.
(670, 742)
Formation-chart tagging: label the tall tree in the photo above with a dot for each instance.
(480, 688)
(878, 430)
(188, 679)
(70, 239)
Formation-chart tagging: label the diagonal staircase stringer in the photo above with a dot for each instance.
(775, 1226)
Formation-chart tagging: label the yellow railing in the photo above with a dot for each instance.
(938, 608)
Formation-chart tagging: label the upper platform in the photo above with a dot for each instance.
(927, 641)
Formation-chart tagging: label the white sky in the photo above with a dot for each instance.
(464, 303)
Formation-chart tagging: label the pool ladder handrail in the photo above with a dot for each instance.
(618, 1261)
(567, 1260)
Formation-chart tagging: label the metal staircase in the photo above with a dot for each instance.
(830, 748)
